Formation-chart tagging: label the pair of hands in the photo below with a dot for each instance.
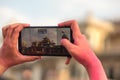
(9, 54)
(80, 50)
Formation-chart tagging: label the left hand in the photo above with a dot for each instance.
(9, 54)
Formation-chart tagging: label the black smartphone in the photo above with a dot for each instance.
(44, 40)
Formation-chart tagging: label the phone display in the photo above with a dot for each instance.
(44, 41)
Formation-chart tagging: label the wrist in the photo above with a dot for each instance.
(3, 66)
(93, 62)
(95, 69)
(90, 60)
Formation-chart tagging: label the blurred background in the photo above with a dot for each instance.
(99, 20)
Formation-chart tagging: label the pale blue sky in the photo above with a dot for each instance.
(57, 10)
(51, 12)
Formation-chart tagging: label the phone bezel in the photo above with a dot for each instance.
(20, 41)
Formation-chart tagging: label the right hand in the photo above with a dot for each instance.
(80, 49)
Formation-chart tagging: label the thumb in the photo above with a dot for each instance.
(31, 58)
(67, 44)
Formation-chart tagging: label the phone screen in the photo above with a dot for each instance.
(44, 41)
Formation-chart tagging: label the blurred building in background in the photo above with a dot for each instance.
(97, 31)
(104, 38)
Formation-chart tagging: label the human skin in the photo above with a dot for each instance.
(81, 51)
(9, 54)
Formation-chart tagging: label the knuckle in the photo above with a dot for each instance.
(11, 27)
(16, 30)
(16, 24)
(74, 21)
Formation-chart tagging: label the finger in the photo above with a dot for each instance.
(30, 58)
(16, 32)
(68, 60)
(71, 23)
(75, 29)
(10, 29)
(74, 25)
(4, 30)
(66, 23)
(68, 45)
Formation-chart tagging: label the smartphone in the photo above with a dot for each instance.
(44, 40)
